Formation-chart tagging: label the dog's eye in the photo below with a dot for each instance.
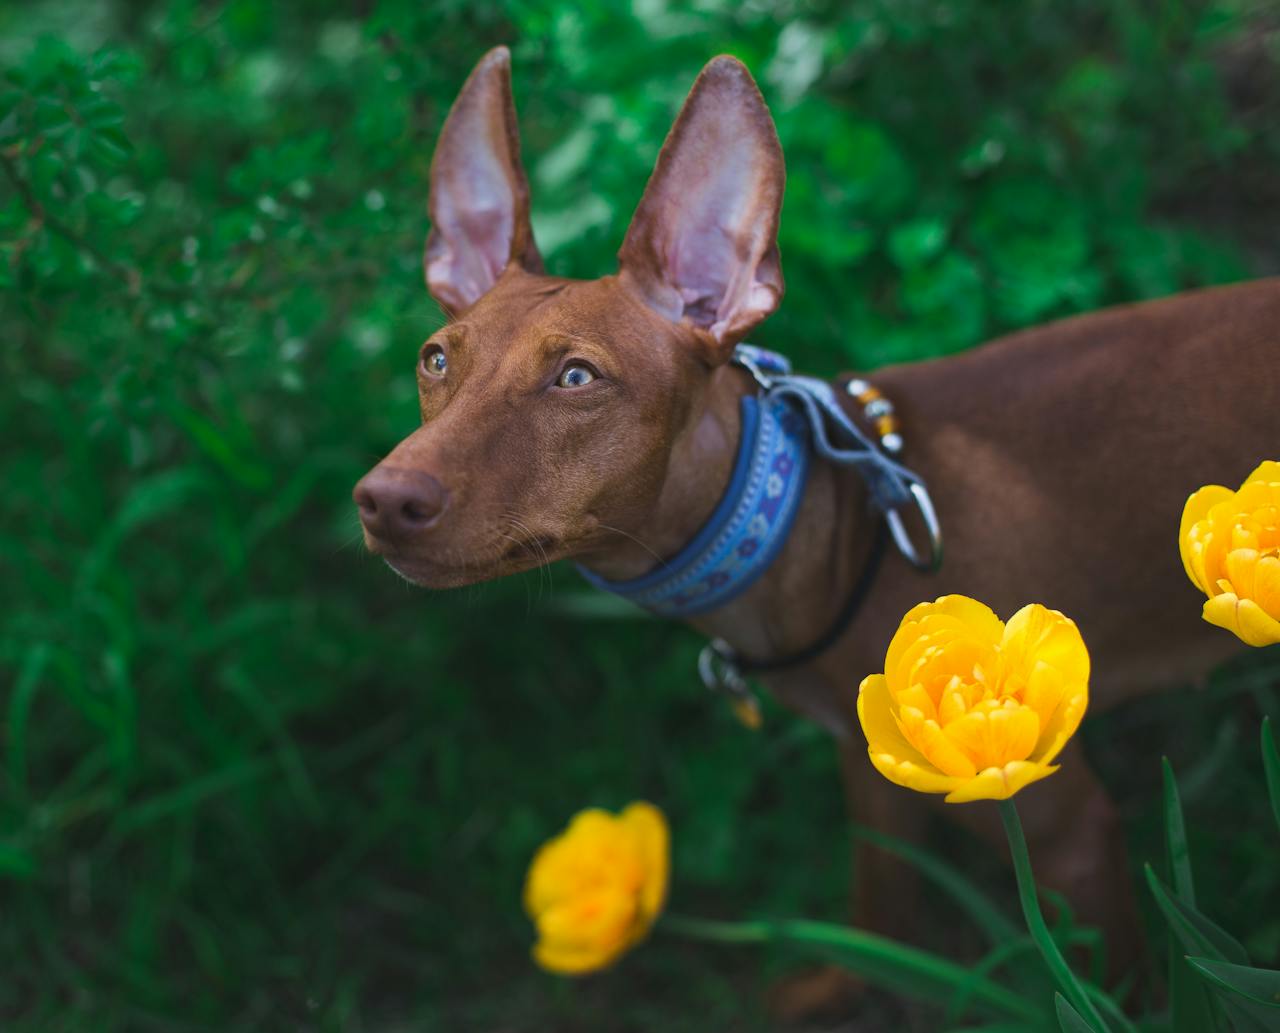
(434, 364)
(575, 376)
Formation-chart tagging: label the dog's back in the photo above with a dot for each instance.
(1060, 459)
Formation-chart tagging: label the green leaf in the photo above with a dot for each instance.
(1191, 1008)
(1271, 766)
(1198, 934)
(111, 146)
(1057, 965)
(1243, 1020)
(1251, 996)
(1260, 985)
(906, 969)
(1107, 1005)
(914, 243)
(1069, 1019)
(19, 712)
(1175, 839)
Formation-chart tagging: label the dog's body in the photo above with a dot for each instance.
(600, 420)
(1059, 460)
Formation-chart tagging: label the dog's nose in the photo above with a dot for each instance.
(395, 503)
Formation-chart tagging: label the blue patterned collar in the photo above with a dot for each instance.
(751, 522)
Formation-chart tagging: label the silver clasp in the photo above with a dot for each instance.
(718, 669)
(903, 541)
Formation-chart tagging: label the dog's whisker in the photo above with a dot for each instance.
(644, 545)
(528, 594)
(536, 549)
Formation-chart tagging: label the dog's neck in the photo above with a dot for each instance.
(799, 595)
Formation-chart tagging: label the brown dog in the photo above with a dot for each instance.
(599, 420)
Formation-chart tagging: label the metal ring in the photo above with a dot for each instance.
(930, 517)
(717, 669)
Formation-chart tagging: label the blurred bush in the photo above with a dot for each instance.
(251, 781)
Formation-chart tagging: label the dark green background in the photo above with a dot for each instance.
(251, 780)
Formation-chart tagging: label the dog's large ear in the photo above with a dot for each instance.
(702, 247)
(479, 193)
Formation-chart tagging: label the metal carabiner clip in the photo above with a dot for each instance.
(718, 668)
(761, 378)
(903, 541)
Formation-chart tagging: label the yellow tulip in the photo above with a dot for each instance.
(595, 890)
(1230, 545)
(973, 707)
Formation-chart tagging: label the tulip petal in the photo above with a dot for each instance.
(875, 714)
(1196, 509)
(1062, 726)
(996, 735)
(922, 778)
(980, 619)
(1268, 472)
(653, 842)
(1242, 564)
(999, 783)
(1037, 634)
(585, 933)
(548, 874)
(1244, 618)
(943, 753)
(1045, 689)
(1266, 589)
(572, 960)
(930, 625)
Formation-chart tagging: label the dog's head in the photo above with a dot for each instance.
(551, 407)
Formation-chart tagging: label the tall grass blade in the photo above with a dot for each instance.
(1259, 985)
(1177, 853)
(1039, 929)
(896, 966)
(19, 713)
(1191, 1008)
(1069, 1019)
(1198, 934)
(1271, 766)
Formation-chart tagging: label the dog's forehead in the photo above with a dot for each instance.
(524, 312)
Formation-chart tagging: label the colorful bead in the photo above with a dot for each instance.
(878, 411)
(878, 407)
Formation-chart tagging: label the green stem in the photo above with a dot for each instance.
(1039, 929)
(717, 932)
(877, 958)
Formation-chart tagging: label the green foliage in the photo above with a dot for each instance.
(250, 781)
(1251, 995)
(1271, 766)
(1206, 962)
(1190, 1007)
(1196, 933)
(1068, 1018)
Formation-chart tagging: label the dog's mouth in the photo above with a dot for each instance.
(455, 570)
